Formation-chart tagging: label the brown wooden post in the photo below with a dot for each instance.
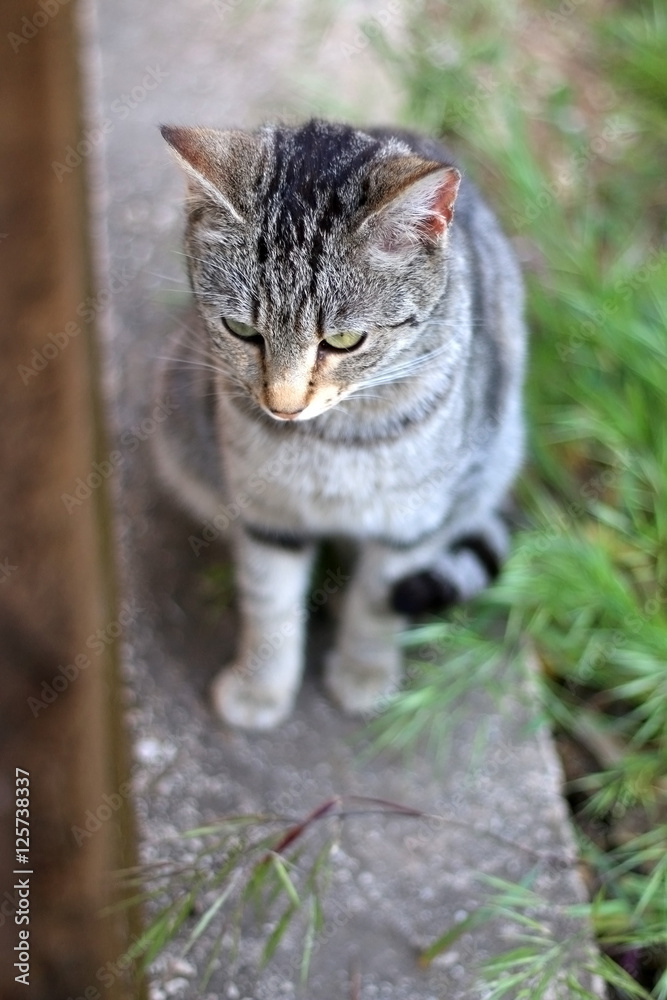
(58, 687)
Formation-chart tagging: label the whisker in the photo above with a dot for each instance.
(405, 370)
(218, 369)
(388, 379)
(211, 263)
(191, 364)
(181, 282)
(411, 363)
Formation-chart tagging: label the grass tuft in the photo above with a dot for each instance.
(561, 117)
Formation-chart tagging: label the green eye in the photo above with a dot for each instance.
(240, 329)
(345, 340)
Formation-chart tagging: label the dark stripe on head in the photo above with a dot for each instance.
(262, 248)
(314, 166)
(316, 252)
(276, 180)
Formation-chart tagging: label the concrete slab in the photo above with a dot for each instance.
(396, 882)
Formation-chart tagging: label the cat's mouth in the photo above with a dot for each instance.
(295, 415)
(308, 412)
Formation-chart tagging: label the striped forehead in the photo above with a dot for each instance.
(312, 189)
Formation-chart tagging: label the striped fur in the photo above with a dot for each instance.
(406, 444)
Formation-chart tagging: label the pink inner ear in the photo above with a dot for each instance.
(420, 213)
(442, 205)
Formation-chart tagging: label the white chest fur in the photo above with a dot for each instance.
(398, 488)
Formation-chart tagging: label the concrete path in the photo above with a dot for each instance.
(397, 882)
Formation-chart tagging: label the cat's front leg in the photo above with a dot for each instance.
(367, 662)
(258, 690)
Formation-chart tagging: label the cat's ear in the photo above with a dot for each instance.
(412, 203)
(217, 163)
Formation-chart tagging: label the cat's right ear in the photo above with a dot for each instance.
(412, 204)
(217, 163)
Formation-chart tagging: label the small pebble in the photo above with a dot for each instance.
(176, 986)
(179, 967)
(148, 749)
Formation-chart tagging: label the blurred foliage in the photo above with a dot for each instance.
(560, 114)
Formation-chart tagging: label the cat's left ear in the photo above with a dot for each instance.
(218, 163)
(416, 204)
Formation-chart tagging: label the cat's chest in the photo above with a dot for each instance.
(397, 488)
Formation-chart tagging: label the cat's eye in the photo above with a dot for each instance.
(345, 340)
(243, 330)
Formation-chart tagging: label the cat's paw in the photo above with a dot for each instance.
(241, 702)
(360, 687)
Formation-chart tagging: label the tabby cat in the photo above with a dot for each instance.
(358, 376)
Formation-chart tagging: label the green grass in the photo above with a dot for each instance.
(562, 119)
(248, 867)
(245, 870)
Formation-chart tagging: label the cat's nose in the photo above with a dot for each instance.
(287, 414)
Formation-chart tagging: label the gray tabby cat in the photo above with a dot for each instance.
(364, 348)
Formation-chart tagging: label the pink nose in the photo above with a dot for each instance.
(287, 415)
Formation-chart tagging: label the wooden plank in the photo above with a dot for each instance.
(58, 671)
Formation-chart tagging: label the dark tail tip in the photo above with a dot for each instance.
(423, 593)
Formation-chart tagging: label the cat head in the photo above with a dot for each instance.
(316, 253)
